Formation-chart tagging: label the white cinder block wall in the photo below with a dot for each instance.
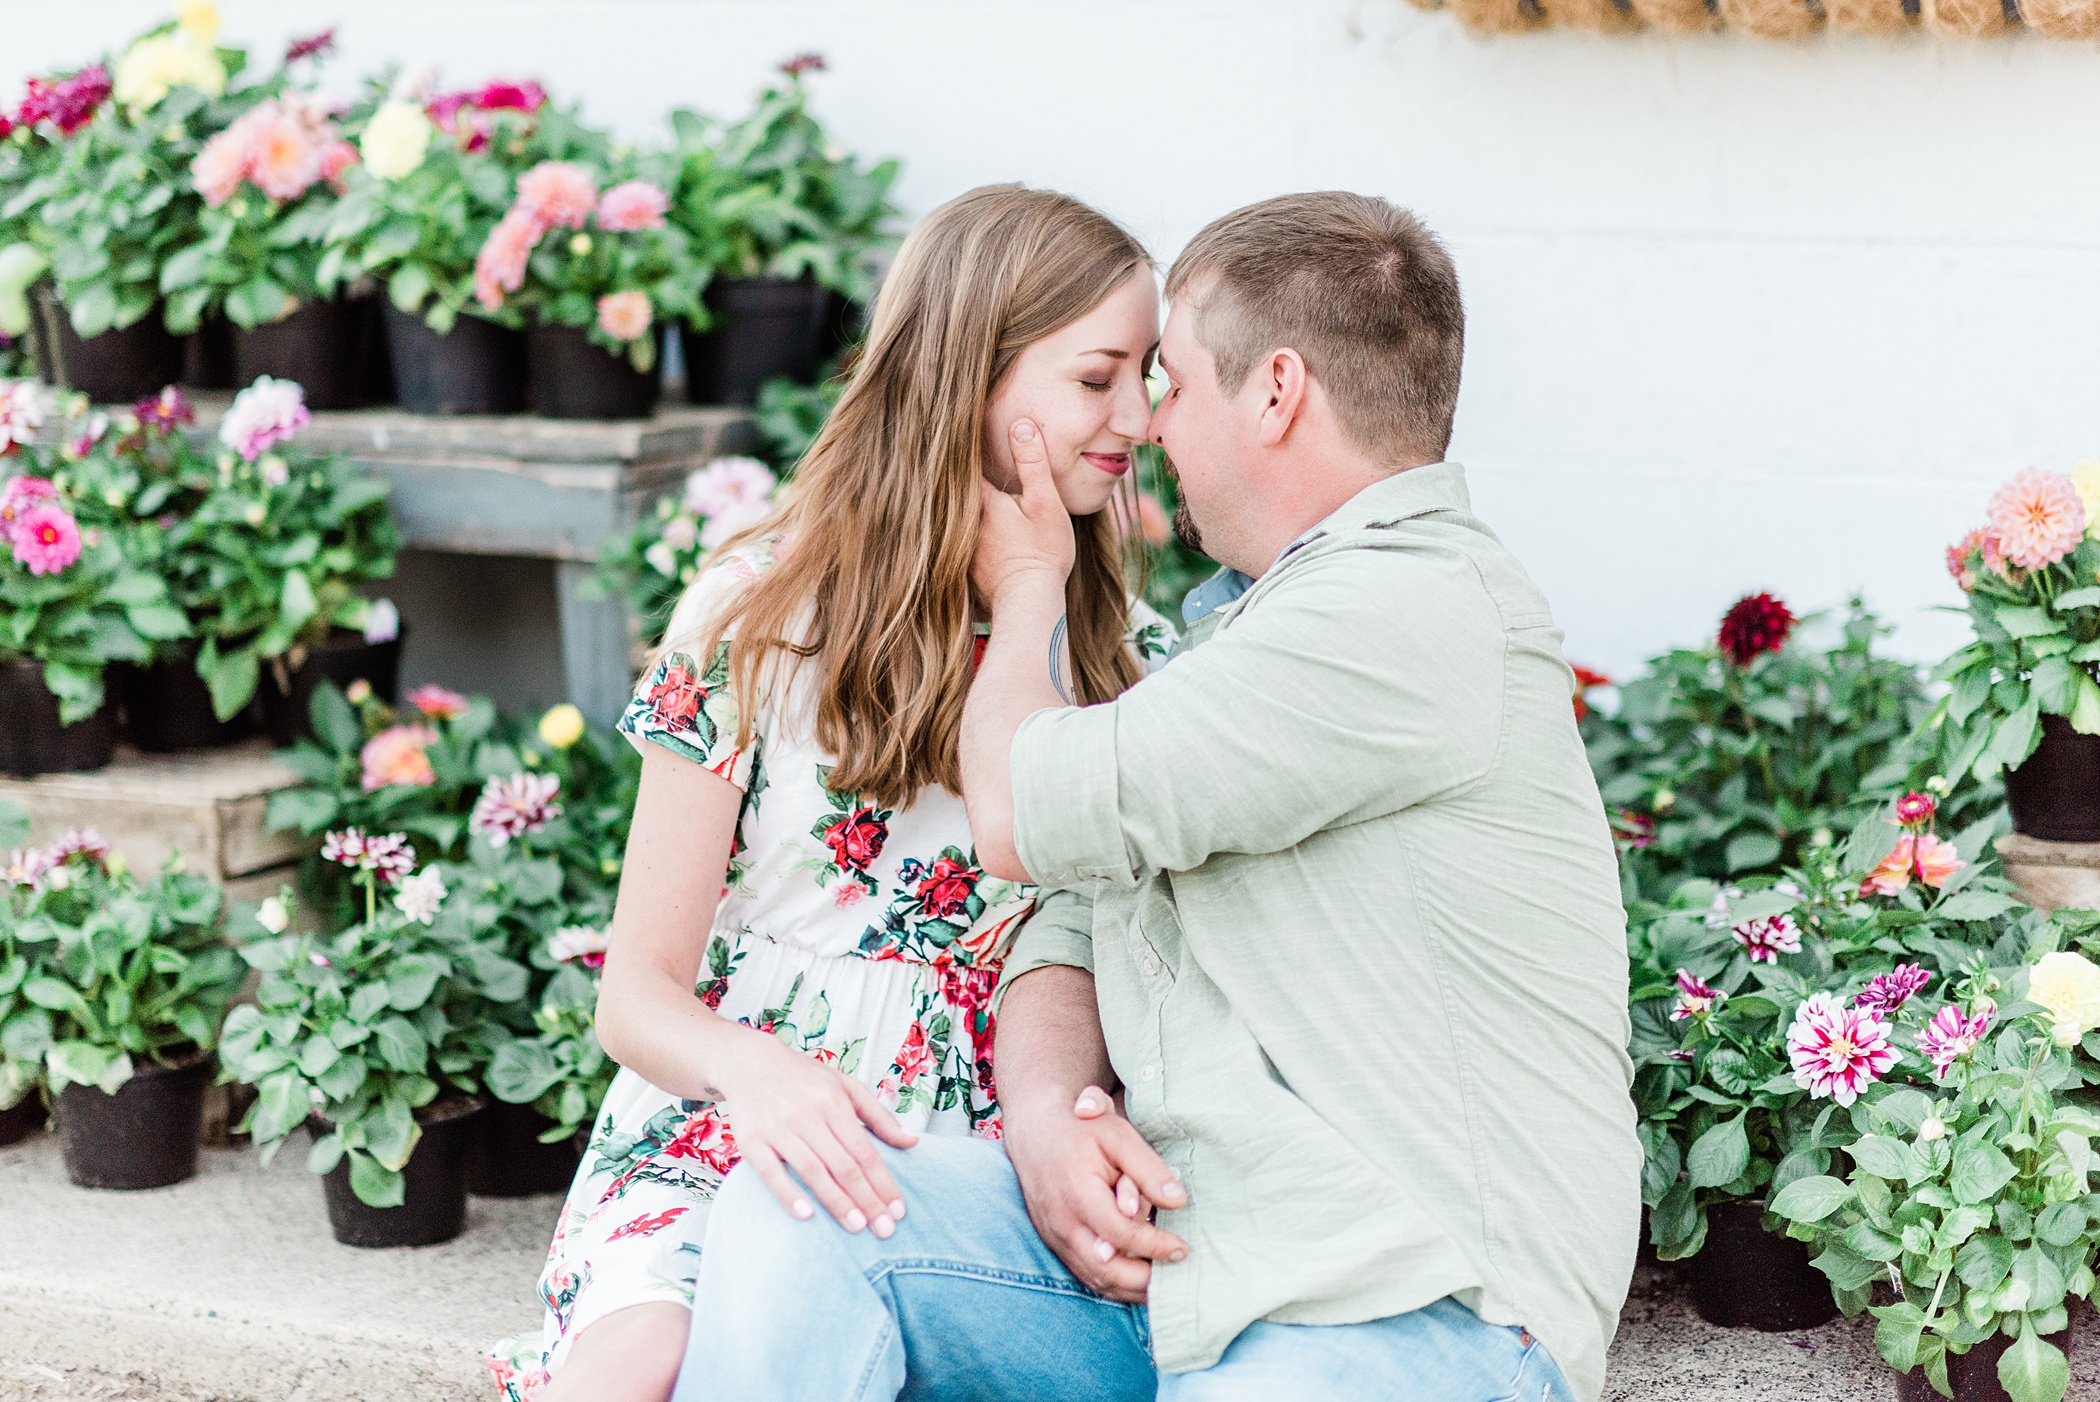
(1744, 314)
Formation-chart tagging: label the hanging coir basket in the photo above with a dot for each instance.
(1678, 16)
(2062, 19)
(1872, 16)
(1498, 16)
(1594, 16)
(1965, 19)
(1773, 19)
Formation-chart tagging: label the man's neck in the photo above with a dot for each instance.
(1330, 490)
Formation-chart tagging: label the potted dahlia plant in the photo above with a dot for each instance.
(1963, 1219)
(1726, 1089)
(2024, 696)
(266, 547)
(365, 1037)
(110, 198)
(599, 268)
(269, 182)
(793, 225)
(435, 179)
(133, 980)
(71, 602)
(650, 566)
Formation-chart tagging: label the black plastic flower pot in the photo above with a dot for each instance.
(32, 738)
(507, 1160)
(574, 379)
(325, 346)
(2055, 794)
(434, 1184)
(764, 328)
(116, 367)
(144, 1135)
(1973, 1375)
(167, 706)
(343, 657)
(208, 355)
(22, 1119)
(1745, 1277)
(477, 367)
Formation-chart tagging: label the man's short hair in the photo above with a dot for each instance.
(1359, 288)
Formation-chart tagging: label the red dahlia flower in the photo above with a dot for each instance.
(804, 63)
(68, 104)
(312, 46)
(1756, 623)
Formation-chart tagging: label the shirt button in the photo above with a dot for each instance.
(1151, 965)
(1146, 1073)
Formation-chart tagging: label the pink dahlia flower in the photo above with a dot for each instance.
(46, 539)
(20, 494)
(23, 406)
(1885, 993)
(396, 756)
(512, 807)
(1967, 555)
(163, 411)
(336, 158)
(500, 266)
(390, 856)
(1695, 997)
(630, 205)
(268, 411)
(729, 494)
(580, 944)
(1754, 624)
(84, 845)
(1915, 809)
(558, 194)
(499, 96)
(437, 702)
(1838, 1052)
(624, 316)
(284, 158)
(25, 868)
(2037, 518)
(1950, 1036)
(222, 165)
(1930, 859)
(1765, 939)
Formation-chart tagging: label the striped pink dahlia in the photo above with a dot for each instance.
(1838, 1052)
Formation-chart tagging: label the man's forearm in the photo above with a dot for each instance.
(1026, 668)
(1050, 1046)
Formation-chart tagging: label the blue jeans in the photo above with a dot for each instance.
(966, 1304)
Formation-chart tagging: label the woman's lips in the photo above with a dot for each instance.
(1114, 464)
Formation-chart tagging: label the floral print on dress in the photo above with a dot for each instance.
(867, 938)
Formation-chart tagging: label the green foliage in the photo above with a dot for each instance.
(1720, 771)
(263, 558)
(772, 195)
(1721, 1115)
(363, 1029)
(563, 1071)
(788, 416)
(2036, 653)
(1171, 569)
(99, 970)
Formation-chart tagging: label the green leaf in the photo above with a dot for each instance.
(232, 677)
(2062, 1224)
(1984, 1261)
(407, 288)
(1980, 1170)
(2085, 710)
(1975, 905)
(281, 1106)
(1752, 850)
(392, 1134)
(411, 983)
(1720, 1155)
(1811, 1199)
(60, 997)
(522, 1070)
(400, 1045)
(185, 267)
(2022, 622)
(1897, 1330)
(335, 724)
(2088, 597)
(326, 1154)
(256, 302)
(374, 1184)
(83, 1063)
(2013, 740)
(2033, 1369)
(1882, 1156)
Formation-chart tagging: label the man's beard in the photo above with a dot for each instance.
(1185, 529)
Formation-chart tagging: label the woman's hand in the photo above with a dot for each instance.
(788, 1110)
(1025, 536)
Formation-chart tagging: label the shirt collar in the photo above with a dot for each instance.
(1437, 484)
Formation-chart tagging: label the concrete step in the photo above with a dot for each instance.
(229, 1288)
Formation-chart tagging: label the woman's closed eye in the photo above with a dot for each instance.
(1099, 386)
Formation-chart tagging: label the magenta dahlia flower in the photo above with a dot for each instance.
(1915, 810)
(1887, 992)
(2037, 518)
(310, 46)
(1754, 624)
(46, 539)
(68, 104)
(86, 846)
(804, 63)
(390, 856)
(1950, 1036)
(512, 807)
(1695, 997)
(1838, 1052)
(1765, 939)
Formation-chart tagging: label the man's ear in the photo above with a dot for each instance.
(1283, 379)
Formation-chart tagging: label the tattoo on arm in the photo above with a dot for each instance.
(1057, 662)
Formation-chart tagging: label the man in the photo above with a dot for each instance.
(1332, 902)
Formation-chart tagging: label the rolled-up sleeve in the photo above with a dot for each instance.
(1362, 682)
(1059, 931)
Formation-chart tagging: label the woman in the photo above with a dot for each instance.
(800, 855)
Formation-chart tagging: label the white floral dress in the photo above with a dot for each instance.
(867, 937)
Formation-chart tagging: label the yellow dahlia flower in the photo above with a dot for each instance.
(160, 63)
(562, 726)
(2085, 478)
(198, 17)
(2068, 986)
(396, 139)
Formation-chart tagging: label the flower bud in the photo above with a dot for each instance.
(1933, 1128)
(358, 692)
(1665, 800)
(256, 513)
(580, 245)
(1821, 837)
(1938, 786)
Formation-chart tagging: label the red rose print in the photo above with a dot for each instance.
(644, 1226)
(914, 1057)
(946, 888)
(674, 701)
(711, 992)
(856, 839)
(705, 1137)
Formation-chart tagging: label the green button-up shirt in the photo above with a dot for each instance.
(1347, 892)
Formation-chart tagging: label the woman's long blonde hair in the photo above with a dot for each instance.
(882, 518)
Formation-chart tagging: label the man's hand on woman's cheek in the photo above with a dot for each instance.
(1086, 1174)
